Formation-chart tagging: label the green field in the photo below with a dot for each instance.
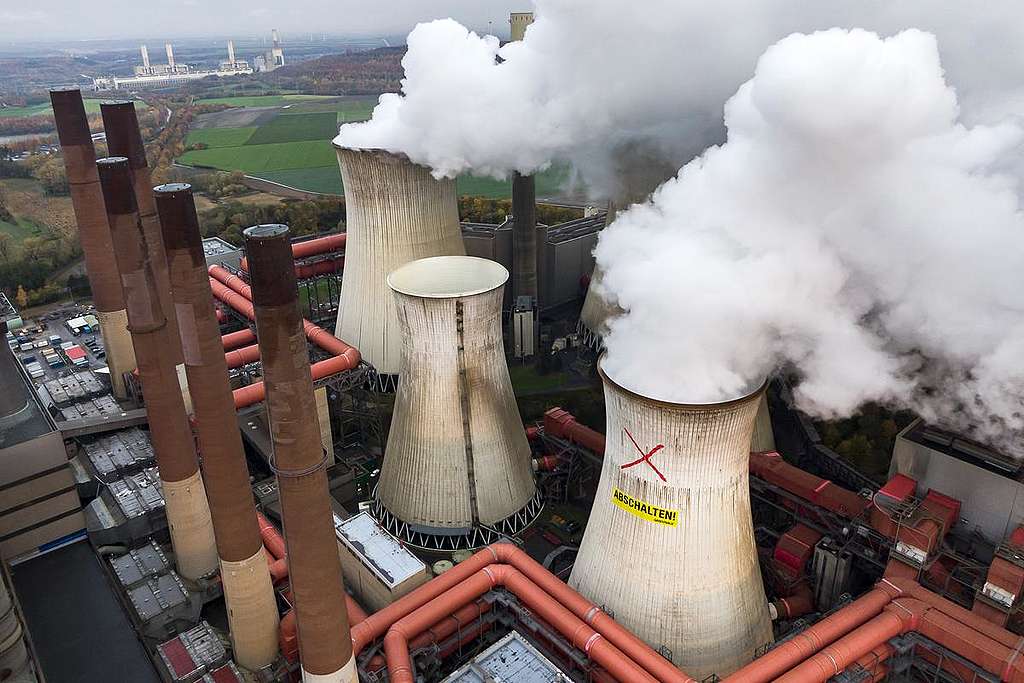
(91, 107)
(221, 137)
(19, 230)
(264, 100)
(294, 147)
(297, 128)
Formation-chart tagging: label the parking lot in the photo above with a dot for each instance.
(40, 340)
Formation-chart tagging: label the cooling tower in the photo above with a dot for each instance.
(597, 311)
(457, 465)
(669, 548)
(396, 212)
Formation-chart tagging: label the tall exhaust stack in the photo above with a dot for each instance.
(457, 464)
(231, 52)
(170, 55)
(396, 212)
(669, 547)
(325, 644)
(145, 58)
(518, 21)
(524, 208)
(248, 590)
(124, 139)
(188, 512)
(93, 233)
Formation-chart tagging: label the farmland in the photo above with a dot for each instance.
(44, 109)
(286, 139)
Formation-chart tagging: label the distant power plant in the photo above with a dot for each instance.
(150, 75)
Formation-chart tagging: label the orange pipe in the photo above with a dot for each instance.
(801, 602)
(778, 661)
(320, 245)
(273, 541)
(233, 340)
(396, 642)
(378, 623)
(235, 293)
(243, 356)
(898, 617)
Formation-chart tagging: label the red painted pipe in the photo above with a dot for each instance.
(396, 642)
(233, 340)
(898, 617)
(806, 644)
(320, 245)
(377, 624)
(243, 356)
(235, 293)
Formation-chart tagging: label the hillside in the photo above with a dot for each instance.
(355, 73)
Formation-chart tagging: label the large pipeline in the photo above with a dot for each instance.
(231, 290)
(524, 238)
(188, 511)
(325, 649)
(248, 591)
(93, 233)
(582, 636)
(378, 623)
(313, 247)
(124, 139)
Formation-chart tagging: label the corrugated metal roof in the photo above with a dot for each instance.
(510, 660)
(381, 552)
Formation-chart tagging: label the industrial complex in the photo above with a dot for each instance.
(304, 459)
(152, 76)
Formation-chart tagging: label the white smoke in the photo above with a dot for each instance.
(850, 225)
(595, 79)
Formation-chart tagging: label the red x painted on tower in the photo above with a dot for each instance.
(644, 457)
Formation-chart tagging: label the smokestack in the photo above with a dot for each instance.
(231, 51)
(524, 237)
(145, 57)
(188, 512)
(124, 139)
(518, 22)
(170, 55)
(669, 547)
(13, 398)
(248, 590)
(325, 645)
(93, 233)
(457, 463)
(396, 212)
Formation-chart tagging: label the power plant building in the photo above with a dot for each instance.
(150, 75)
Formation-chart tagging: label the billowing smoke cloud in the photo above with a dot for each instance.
(595, 81)
(851, 226)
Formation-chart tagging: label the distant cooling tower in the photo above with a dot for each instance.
(397, 212)
(669, 547)
(457, 469)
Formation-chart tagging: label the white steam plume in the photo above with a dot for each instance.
(850, 225)
(595, 79)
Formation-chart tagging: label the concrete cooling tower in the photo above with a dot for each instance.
(396, 212)
(457, 469)
(669, 548)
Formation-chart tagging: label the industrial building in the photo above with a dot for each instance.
(152, 76)
(237, 493)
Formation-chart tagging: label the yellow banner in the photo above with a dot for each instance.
(651, 513)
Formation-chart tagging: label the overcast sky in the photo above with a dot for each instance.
(75, 19)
